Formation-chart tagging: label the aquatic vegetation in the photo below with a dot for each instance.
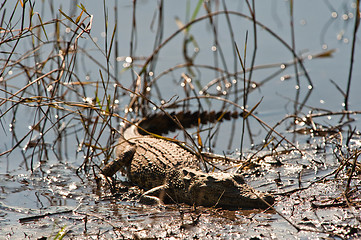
(71, 75)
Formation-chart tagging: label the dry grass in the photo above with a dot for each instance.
(58, 79)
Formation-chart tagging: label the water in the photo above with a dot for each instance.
(53, 185)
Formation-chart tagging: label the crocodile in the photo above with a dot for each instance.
(172, 173)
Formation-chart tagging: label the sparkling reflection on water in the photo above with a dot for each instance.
(53, 186)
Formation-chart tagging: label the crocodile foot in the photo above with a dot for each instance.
(149, 197)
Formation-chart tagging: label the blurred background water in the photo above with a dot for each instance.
(319, 27)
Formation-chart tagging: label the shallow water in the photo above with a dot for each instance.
(310, 201)
(55, 189)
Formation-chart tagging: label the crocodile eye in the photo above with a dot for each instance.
(186, 172)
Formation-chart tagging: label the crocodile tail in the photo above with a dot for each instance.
(162, 123)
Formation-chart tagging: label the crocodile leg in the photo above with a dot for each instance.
(148, 197)
(122, 160)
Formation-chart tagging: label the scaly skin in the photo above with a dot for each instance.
(173, 173)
